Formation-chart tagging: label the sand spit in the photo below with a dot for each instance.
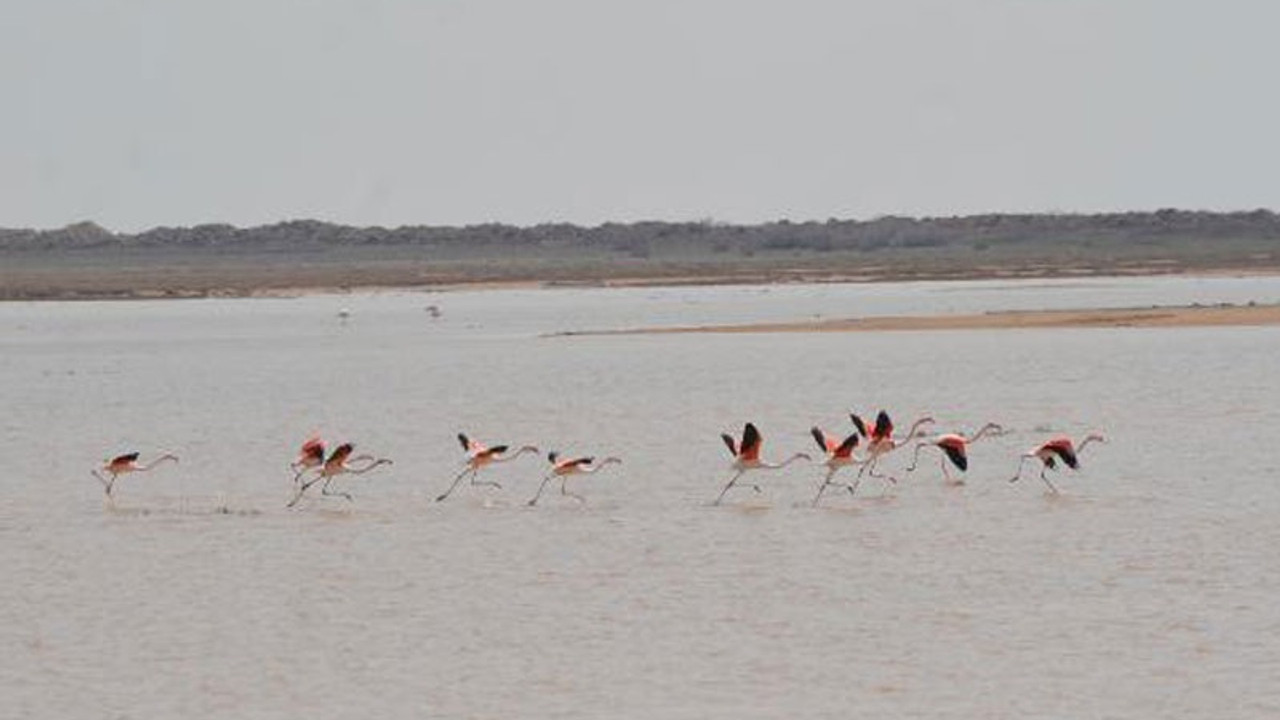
(1186, 316)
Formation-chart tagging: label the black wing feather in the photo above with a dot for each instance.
(1068, 456)
(818, 437)
(884, 426)
(958, 457)
(849, 443)
(728, 440)
(857, 422)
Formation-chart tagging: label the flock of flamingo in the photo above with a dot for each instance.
(314, 465)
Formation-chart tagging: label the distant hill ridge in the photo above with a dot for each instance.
(640, 239)
(86, 261)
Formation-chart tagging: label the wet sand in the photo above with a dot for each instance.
(1187, 316)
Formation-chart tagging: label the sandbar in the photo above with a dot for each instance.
(1176, 316)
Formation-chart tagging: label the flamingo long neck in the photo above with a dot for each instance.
(598, 466)
(1080, 448)
(360, 471)
(988, 428)
(911, 434)
(784, 463)
(156, 462)
(915, 458)
(513, 456)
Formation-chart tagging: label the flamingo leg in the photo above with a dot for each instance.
(107, 485)
(305, 485)
(297, 495)
(853, 487)
(1018, 475)
(947, 474)
(478, 483)
(564, 490)
(456, 480)
(534, 500)
(887, 479)
(324, 489)
(1046, 480)
(826, 482)
(728, 485)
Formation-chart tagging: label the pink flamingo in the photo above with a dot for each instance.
(336, 465)
(571, 466)
(311, 455)
(124, 464)
(479, 456)
(954, 447)
(839, 454)
(1049, 452)
(746, 457)
(881, 442)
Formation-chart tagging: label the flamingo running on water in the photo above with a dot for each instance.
(954, 447)
(881, 442)
(335, 465)
(746, 457)
(478, 456)
(124, 464)
(839, 455)
(1049, 452)
(571, 466)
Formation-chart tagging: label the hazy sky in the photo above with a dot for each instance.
(137, 113)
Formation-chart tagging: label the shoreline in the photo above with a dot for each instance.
(1224, 315)
(172, 283)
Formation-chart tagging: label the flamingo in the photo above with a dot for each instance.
(571, 466)
(1049, 452)
(311, 455)
(746, 457)
(335, 465)
(124, 464)
(880, 442)
(954, 447)
(839, 454)
(479, 456)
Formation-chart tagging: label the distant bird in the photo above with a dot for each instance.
(1048, 453)
(746, 457)
(433, 310)
(954, 447)
(880, 442)
(344, 314)
(478, 456)
(311, 455)
(571, 466)
(336, 465)
(839, 454)
(124, 464)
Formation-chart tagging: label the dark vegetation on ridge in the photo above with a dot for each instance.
(85, 260)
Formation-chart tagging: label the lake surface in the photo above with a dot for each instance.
(1146, 589)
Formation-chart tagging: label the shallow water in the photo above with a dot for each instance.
(1147, 588)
